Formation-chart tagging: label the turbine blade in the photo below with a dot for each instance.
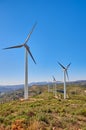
(67, 74)
(30, 33)
(28, 49)
(54, 78)
(32, 56)
(68, 66)
(61, 65)
(12, 47)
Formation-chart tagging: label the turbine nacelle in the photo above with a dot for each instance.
(65, 68)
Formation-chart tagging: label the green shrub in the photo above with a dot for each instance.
(42, 117)
(82, 112)
(1, 120)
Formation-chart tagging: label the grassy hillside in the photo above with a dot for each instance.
(43, 111)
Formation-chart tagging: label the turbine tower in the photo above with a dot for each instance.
(27, 50)
(65, 74)
(54, 89)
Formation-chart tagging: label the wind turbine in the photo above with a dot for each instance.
(65, 74)
(27, 50)
(54, 89)
(48, 87)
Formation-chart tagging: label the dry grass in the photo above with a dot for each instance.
(45, 112)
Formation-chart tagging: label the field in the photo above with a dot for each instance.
(44, 111)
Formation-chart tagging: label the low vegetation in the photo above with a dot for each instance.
(44, 111)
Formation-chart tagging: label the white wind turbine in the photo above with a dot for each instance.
(27, 50)
(54, 89)
(48, 87)
(65, 74)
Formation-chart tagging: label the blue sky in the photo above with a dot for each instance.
(60, 35)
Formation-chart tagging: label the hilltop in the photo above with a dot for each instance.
(44, 111)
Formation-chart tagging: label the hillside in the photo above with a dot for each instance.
(44, 111)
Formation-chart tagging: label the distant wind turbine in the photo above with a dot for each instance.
(48, 87)
(65, 74)
(27, 50)
(54, 89)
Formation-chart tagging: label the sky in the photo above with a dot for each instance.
(60, 35)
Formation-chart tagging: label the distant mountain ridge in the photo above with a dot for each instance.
(8, 88)
(82, 82)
